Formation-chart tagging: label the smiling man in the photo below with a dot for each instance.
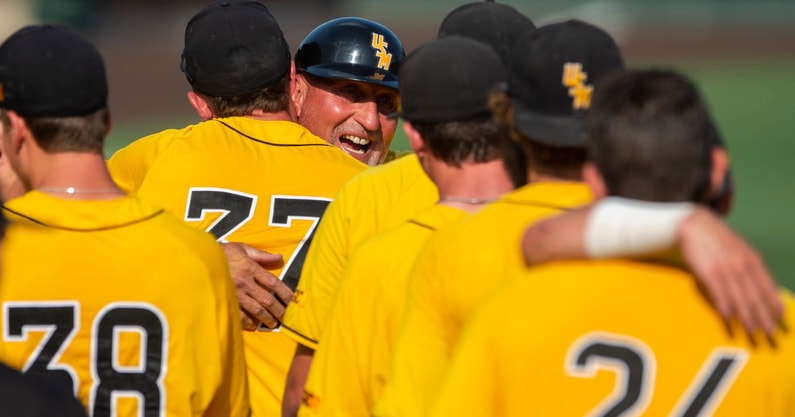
(346, 74)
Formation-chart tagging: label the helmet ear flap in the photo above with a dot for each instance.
(352, 48)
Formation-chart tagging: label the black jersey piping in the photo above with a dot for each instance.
(423, 225)
(299, 333)
(270, 143)
(100, 229)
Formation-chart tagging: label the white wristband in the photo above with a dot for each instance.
(620, 227)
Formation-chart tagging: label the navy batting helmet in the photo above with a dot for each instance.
(352, 48)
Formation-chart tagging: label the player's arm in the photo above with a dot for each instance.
(262, 295)
(732, 272)
(420, 352)
(339, 379)
(305, 316)
(129, 165)
(232, 397)
(469, 386)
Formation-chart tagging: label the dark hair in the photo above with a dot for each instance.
(271, 99)
(475, 140)
(72, 133)
(648, 136)
(557, 161)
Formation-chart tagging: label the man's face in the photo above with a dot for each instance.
(351, 115)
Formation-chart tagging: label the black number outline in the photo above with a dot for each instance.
(41, 355)
(701, 397)
(630, 359)
(98, 410)
(56, 311)
(285, 209)
(236, 209)
(712, 382)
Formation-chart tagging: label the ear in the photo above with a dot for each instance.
(18, 132)
(594, 179)
(720, 164)
(292, 108)
(415, 140)
(201, 107)
(299, 87)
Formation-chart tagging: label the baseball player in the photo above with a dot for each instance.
(378, 200)
(129, 299)
(444, 88)
(346, 85)
(246, 173)
(620, 337)
(552, 75)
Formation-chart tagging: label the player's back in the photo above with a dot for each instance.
(262, 183)
(455, 269)
(124, 305)
(580, 338)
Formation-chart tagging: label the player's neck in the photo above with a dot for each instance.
(275, 116)
(471, 185)
(74, 175)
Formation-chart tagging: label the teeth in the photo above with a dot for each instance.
(354, 151)
(357, 140)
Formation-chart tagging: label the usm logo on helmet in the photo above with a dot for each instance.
(384, 57)
(574, 79)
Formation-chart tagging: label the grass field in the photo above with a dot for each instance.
(754, 105)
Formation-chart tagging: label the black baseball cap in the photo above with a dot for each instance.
(51, 71)
(552, 73)
(449, 79)
(234, 47)
(495, 24)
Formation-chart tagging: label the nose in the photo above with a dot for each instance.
(367, 115)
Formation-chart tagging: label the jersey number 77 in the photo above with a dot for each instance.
(238, 208)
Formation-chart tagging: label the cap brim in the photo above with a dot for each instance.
(549, 129)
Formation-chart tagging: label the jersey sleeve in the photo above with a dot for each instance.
(340, 381)
(232, 393)
(307, 312)
(470, 384)
(129, 165)
(421, 348)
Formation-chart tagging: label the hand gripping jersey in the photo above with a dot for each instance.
(123, 306)
(457, 267)
(616, 337)
(376, 200)
(350, 366)
(263, 183)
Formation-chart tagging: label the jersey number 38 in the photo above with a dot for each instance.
(60, 323)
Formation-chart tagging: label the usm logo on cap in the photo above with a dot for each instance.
(384, 57)
(574, 78)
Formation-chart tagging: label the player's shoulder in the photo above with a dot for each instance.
(398, 173)
(167, 229)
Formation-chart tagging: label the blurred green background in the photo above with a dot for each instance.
(741, 53)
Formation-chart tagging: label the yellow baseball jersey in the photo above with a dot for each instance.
(351, 362)
(614, 338)
(452, 273)
(265, 184)
(122, 304)
(374, 201)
